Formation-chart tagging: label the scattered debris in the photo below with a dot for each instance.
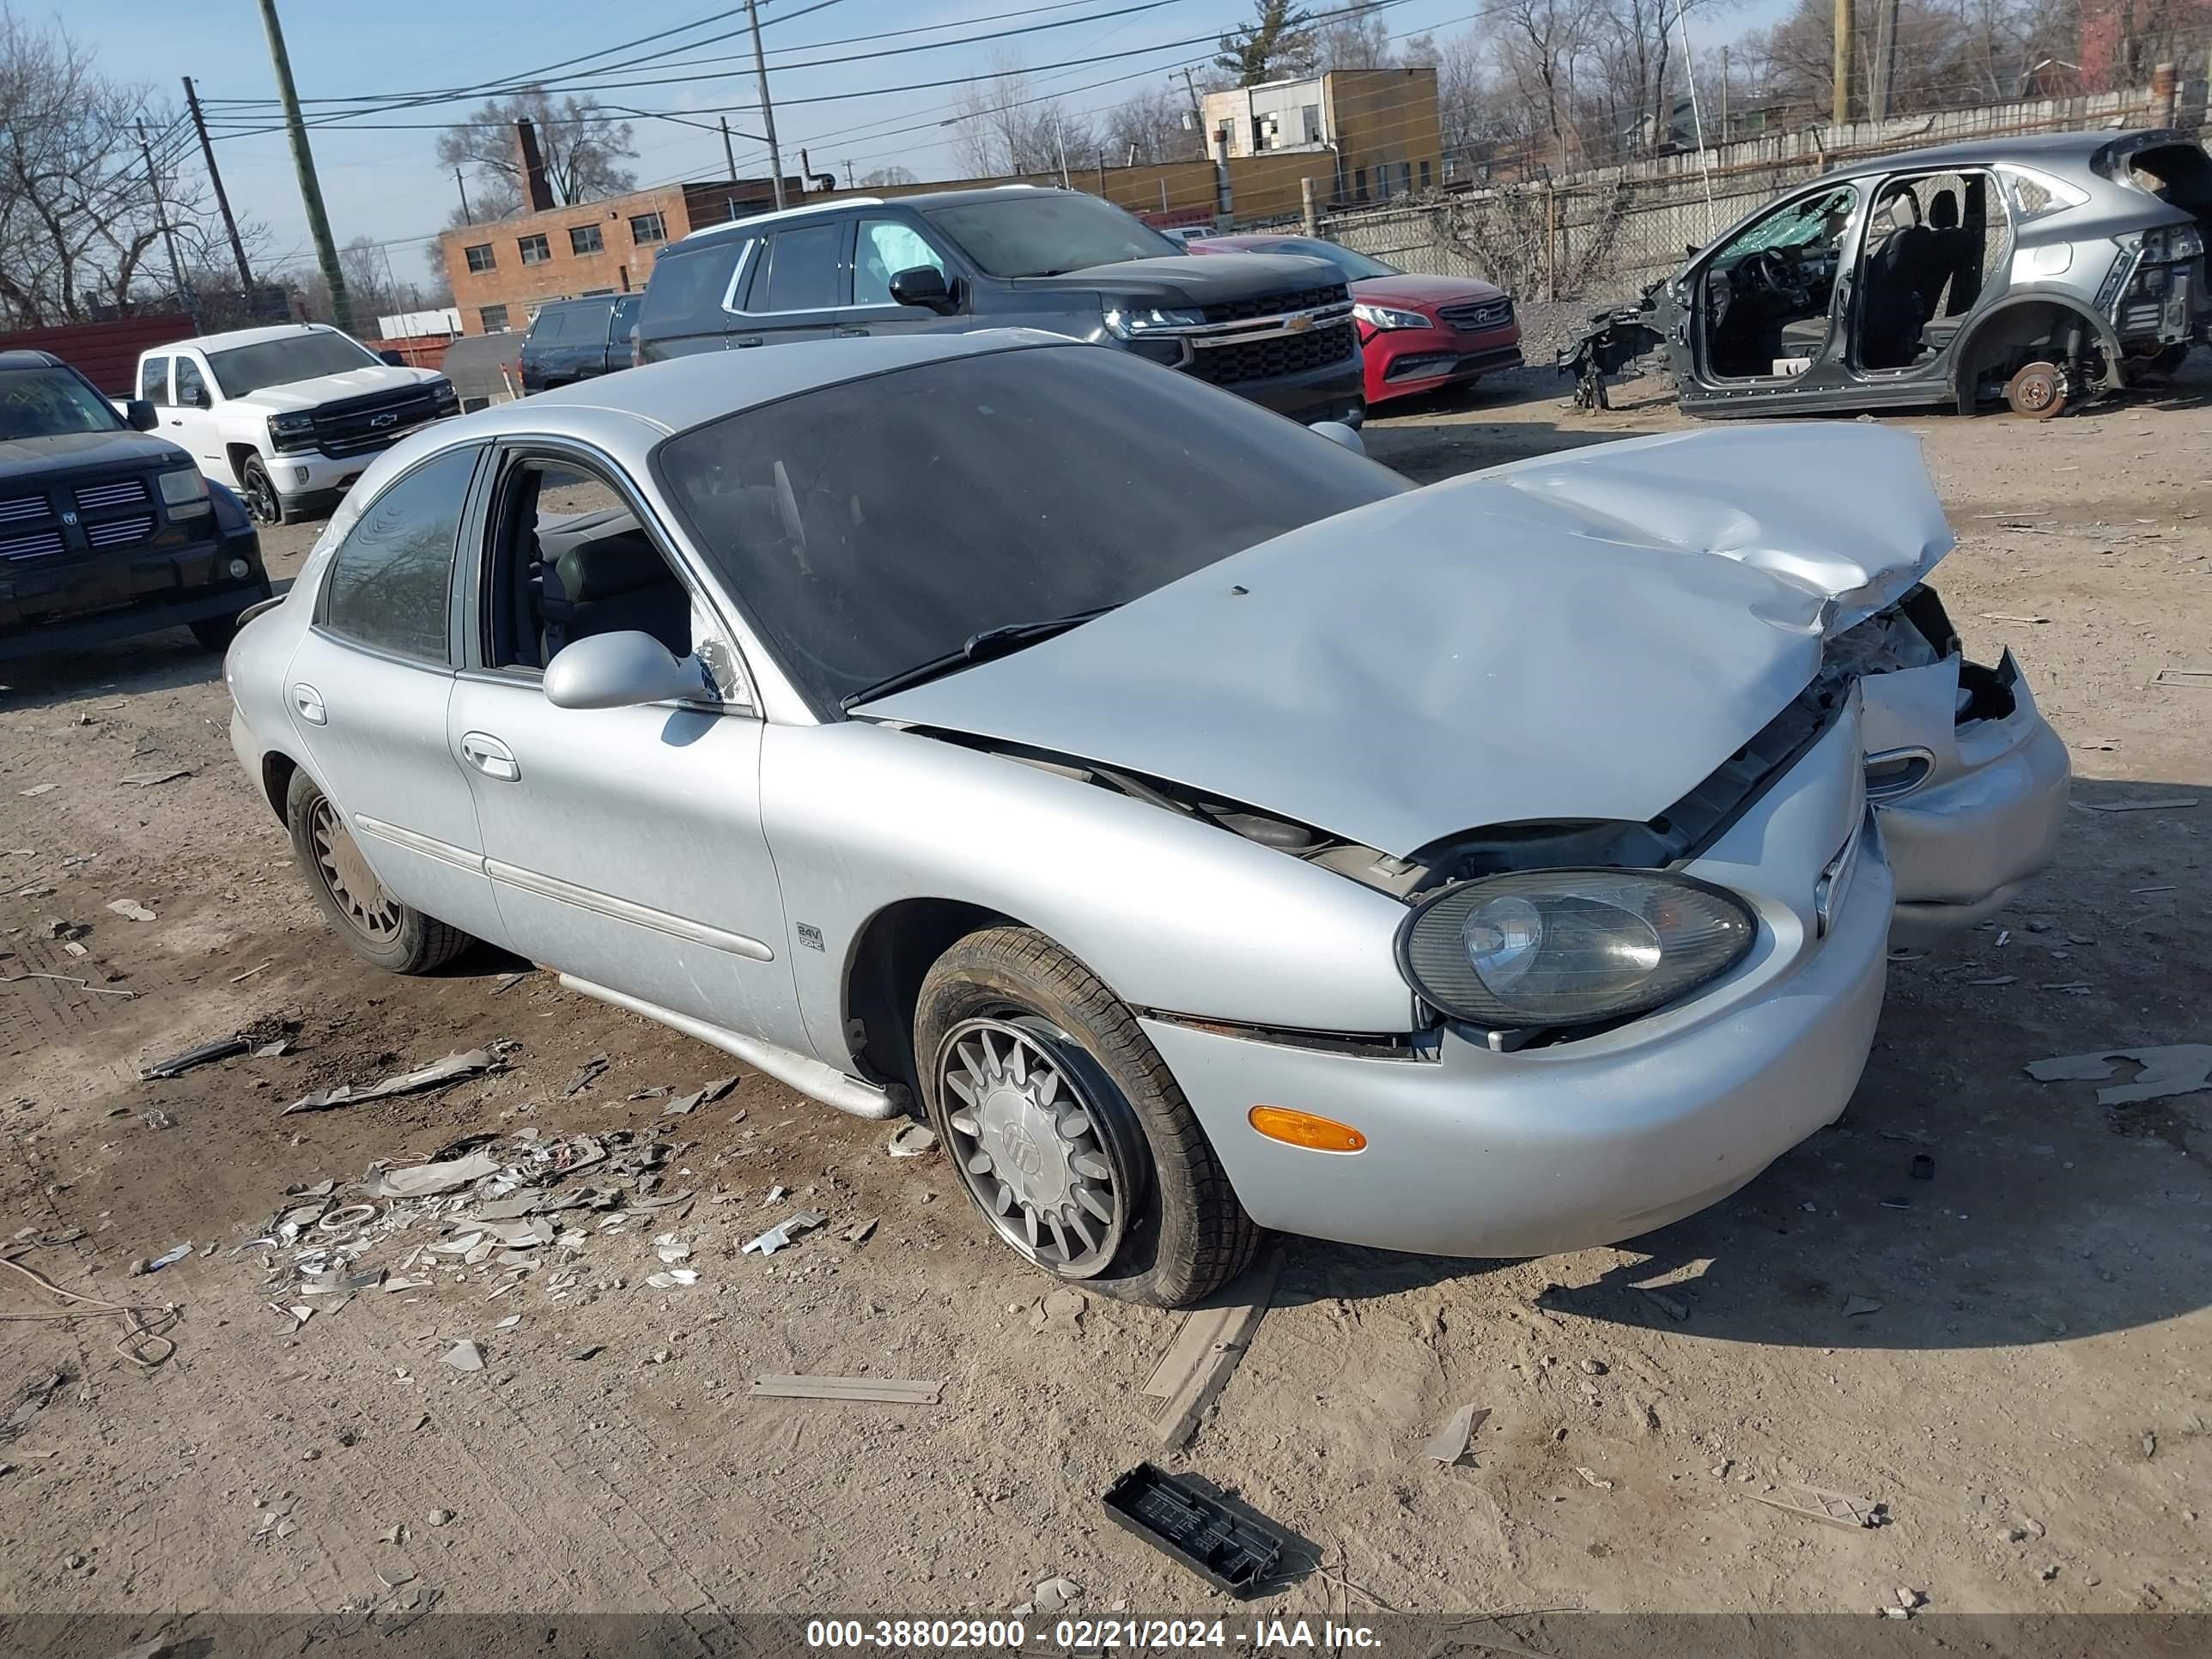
(170, 1257)
(240, 979)
(1453, 1441)
(859, 1231)
(157, 1119)
(66, 979)
(590, 1350)
(274, 1050)
(1857, 1306)
(912, 1139)
(2164, 887)
(1206, 1348)
(38, 789)
(1998, 616)
(1234, 1550)
(2174, 679)
(675, 1277)
(869, 1389)
(178, 1064)
(426, 1179)
(586, 1074)
(781, 1234)
(1817, 1504)
(1051, 1595)
(439, 1518)
(451, 1069)
(1592, 1478)
(131, 910)
(148, 780)
(508, 983)
(2159, 805)
(2179, 1068)
(463, 1357)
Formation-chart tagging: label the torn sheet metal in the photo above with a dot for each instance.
(451, 1069)
(2177, 1068)
(426, 1179)
(1543, 655)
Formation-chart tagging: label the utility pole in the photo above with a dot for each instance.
(222, 200)
(303, 163)
(1843, 63)
(1724, 95)
(1060, 140)
(161, 223)
(461, 185)
(729, 154)
(805, 171)
(767, 110)
(1884, 78)
(849, 176)
(1197, 111)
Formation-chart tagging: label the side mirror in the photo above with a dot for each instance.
(1338, 432)
(392, 358)
(924, 286)
(619, 670)
(140, 413)
(202, 398)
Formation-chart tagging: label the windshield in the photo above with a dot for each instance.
(46, 403)
(279, 363)
(1045, 233)
(1356, 267)
(870, 526)
(1818, 220)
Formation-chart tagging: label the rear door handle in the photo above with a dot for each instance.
(746, 340)
(850, 331)
(489, 757)
(309, 703)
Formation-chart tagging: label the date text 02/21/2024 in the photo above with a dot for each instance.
(1085, 1635)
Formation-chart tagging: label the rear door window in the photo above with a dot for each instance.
(805, 271)
(390, 581)
(191, 387)
(685, 293)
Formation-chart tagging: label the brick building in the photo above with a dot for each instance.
(503, 270)
(1378, 129)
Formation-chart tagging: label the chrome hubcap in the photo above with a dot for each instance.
(1030, 1146)
(360, 897)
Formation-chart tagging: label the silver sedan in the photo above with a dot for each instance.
(1207, 829)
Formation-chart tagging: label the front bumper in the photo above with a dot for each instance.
(308, 479)
(1403, 361)
(125, 593)
(1331, 393)
(1476, 1153)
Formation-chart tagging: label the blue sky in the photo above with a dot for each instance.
(388, 186)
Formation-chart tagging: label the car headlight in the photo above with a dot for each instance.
(295, 431)
(1127, 323)
(1570, 947)
(185, 492)
(1386, 316)
(446, 399)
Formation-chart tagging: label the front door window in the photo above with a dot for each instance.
(1766, 290)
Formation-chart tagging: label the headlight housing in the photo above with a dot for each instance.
(445, 398)
(185, 492)
(1552, 948)
(1128, 323)
(295, 431)
(1389, 317)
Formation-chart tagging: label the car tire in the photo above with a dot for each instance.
(375, 927)
(216, 633)
(1118, 1135)
(263, 503)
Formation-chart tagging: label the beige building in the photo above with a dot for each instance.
(1378, 128)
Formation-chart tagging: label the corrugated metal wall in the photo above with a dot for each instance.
(107, 353)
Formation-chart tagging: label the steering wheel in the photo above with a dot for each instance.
(1769, 271)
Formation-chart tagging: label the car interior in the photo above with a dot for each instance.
(1767, 291)
(1929, 253)
(571, 562)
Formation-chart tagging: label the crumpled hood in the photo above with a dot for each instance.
(1585, 637)
(295, 395)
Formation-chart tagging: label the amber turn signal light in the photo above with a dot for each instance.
(1295, 1128)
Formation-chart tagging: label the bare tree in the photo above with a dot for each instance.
(1006, 129)
(1359, 40)
(1541, 45)
(887, 176)
(1151, 126)
(584, 144)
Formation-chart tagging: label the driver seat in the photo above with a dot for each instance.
(1900, 279)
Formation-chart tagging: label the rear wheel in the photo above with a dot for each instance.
(1067, 1129)
(375, 927)
(2038, 392)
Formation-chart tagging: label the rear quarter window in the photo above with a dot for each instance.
(685, 295)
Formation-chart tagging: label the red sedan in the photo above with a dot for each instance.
(1416, 333)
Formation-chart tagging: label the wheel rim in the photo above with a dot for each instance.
(261, 498)
(361, 898)
(1034, 1145)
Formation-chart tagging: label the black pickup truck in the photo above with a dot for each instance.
(107, 531)
(572, 340)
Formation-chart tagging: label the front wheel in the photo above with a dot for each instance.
(375, 927)
(262, 500)
(1067, 1127)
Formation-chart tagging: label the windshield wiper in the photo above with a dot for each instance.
(999, 642)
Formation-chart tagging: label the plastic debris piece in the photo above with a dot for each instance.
(1452, 1441)
(131, 910)
(871, 1390)
(2157, 806)
(782, 1233)
(1857, 1306)
(1233, 1550)
(274, 1050)
(148, 780)
(170, 1257)
(912, 1140)
(177, 1065)
(1593, 1478)
(451, 1069)
(1838, 1509)
(157, 1119)
(464, 1357)
(586, 1074)
(2179, 1068)
(1051, 1595)
(673, 1279)
(426, 1179)
(509, 1323)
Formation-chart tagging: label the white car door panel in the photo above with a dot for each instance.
(625, 847)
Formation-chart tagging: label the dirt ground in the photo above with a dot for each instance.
(2027, 1395)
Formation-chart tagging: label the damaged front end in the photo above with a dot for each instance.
(1613, 340)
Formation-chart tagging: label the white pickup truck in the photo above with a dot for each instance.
(288, 416)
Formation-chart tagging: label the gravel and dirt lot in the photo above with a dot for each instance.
(2014, 1359)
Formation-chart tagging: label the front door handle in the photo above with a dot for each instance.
(851, 332)
(489, 757)
(746, 340)
(309, 703)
